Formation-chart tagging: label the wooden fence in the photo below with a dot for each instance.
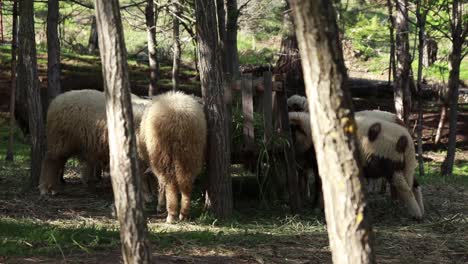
(271, 100)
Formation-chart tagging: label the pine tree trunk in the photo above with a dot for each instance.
(126, 182)
(334, 132)
(402, 90)
(14, 40)
(459, 31)
(53, 51)
(176, 45)
(230, 42)
(151, 20)
(219, 194)
(27, 74)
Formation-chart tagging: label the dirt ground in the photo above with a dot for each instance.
(442, 237)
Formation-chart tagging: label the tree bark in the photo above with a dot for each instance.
(93, 37)
(421, 24)
(221, 22)
(402, 90)
(391, 28)
(27, 74)
(14, 40)
(459, 29)
(231, 57)
(176, 44)
(219, 193)
(289, 61)
(53, 51)
(151, 20)
(333, 132)
(126, 182)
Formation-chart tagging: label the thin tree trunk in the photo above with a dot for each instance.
(421, 22)
(1, 22)
(27, 74)
(289, 61)
(443, 118)
(93, 37)
(151, 20)
(459, 31)
(391, 28)
(14, 40)
(126, 182)
(402, 90)
(230, 42)
(219, 194)
(53, 51)
(334, 132)
(176, 44)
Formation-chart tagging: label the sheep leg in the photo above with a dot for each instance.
(161, 200)
(417, 191)
(90, 174)
(172, 201)
(51, 172)
(186, 191)
(406, 195)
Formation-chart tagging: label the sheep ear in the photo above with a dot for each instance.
(374, 131)
(401, 144)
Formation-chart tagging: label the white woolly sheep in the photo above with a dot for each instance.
(383, 115)
(305, 153)
(298, 103)
(387, 150)
(77, 126)
(172, 141)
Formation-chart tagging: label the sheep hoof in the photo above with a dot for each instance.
(183, 217)
(171, 219)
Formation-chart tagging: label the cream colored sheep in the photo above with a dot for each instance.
(172, 141)
(77, 127)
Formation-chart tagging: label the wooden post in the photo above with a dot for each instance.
(293, 188)
(267, 106)
(248, 113)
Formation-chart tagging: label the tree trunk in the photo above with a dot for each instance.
(14, 40)
(402, 91)
(126, 182)
(176, 44)
(93, 37)
(231, 56)
(289, 62)
(430, 51)
(151, 20)
(219, 193)
(459, 31)
(333, 132)
(53, 51)
(1, 22)
(391, 28)
(27, 74)
(421, 23)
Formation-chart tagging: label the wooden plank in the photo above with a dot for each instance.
(292, 177)
(248, 113)
(267, 106)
